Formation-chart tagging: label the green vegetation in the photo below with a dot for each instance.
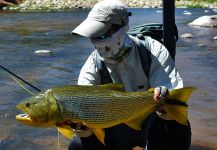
(196, 3)
(209, 1)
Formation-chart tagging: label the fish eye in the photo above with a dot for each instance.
(27, 104)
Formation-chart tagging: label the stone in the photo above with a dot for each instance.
(205, 21)
(215, 38)
(187, 13)
(43, 52)
(187, 35)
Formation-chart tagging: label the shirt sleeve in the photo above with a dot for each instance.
(163, 71)
(89, 72)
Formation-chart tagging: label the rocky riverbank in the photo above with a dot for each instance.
(70, 4)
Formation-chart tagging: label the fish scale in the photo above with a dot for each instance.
(102, 108)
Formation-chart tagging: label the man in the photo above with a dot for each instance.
(106, 26)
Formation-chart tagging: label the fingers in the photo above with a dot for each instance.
(156, 95)
(138, 148)
(84, 133)
(79, 125)
(163, 91)
(160, 92)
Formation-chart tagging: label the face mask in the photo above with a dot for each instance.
(111, 46)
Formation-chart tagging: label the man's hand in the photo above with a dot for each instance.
(82, 131)
(160, 93)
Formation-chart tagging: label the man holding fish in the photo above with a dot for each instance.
(106, 26)
(129, 93)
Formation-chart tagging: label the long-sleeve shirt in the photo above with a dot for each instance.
(130, 72)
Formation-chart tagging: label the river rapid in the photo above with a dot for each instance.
(23, 33)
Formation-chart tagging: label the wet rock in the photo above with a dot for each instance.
(205, 21)
(215, 10)
(43, 52)
(201, 45)
(159, 11)
(187, 13)
(187, 35)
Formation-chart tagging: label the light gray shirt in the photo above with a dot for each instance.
(130, 72)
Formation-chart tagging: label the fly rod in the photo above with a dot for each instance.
(19, 78)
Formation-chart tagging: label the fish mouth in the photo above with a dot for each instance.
(26, 118)
(23, 118)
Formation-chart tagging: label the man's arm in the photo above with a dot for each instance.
(163, 71)
(89, 73)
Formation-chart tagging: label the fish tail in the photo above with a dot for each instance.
(177, 113)
(181, 95)
(176, 106)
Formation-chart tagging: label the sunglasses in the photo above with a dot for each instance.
(114, 28)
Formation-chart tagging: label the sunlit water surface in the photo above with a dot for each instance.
(21, 34)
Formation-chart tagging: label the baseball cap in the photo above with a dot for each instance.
(101, 17)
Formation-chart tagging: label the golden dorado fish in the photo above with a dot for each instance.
(99, 107)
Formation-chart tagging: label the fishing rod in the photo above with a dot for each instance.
(19, 78)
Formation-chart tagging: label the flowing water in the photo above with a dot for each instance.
(22, 33)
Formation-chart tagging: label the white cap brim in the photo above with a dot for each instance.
(91, 28)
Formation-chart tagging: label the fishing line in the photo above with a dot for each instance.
(14, 76)
(20, 78)
(21, 85)
(58, 140)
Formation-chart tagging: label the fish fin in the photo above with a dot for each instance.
(67, 131)
(136, 122)
(113, 86)
(100, 134)
(178, 113)
(181, 94)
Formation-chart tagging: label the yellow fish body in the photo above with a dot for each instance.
(99, 107)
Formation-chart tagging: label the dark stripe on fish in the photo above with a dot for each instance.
(175, 102)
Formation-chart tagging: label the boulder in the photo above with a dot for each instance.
(187, 13)
(187, 35)
(205, 21)
(43, 52)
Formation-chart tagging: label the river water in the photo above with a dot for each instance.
(22, 33)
